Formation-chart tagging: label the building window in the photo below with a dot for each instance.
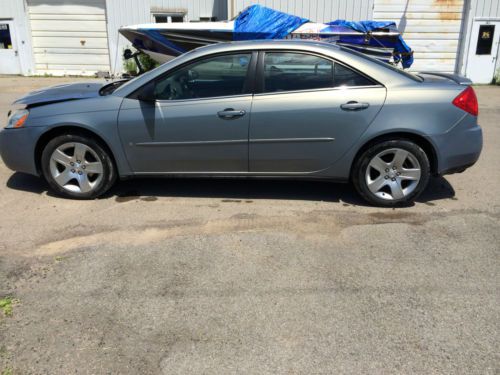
(168, 17)
(485, 39)
(5, 39)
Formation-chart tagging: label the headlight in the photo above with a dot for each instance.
(17, 119)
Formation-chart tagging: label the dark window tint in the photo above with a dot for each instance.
(346, 77)
(216, 76)
(485, 39)
(5, 40)
(295, 71)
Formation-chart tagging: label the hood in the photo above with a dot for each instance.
(61, 93)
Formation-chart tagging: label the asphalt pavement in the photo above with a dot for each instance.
(180, 276)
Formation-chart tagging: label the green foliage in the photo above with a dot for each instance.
(146, 62)
(6, 305)
(7, 371)
(496, 79)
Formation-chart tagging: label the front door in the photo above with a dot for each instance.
(9, 55)
(483, 51)
(310, 112)
(198, 123)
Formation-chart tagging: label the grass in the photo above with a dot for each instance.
(6, 305)
(7, 371)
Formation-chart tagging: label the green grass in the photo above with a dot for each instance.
(7, 371)
(6, 305)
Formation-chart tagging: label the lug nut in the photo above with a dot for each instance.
(83, 167)
(386, 177)
(78, 161)
(80, 172)
(398, 174)
(387, 169)
(394, 168)
(71, 163)
(72, 171)
(393, 179)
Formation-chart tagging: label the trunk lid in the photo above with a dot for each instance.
(439, 77)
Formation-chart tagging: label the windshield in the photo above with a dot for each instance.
(384, 64)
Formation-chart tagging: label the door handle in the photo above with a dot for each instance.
(354, 106)
(230, 113)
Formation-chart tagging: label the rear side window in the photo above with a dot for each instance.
(286, 71)
(343, 76)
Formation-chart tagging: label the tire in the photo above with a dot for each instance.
(77, 166)
(391, 173)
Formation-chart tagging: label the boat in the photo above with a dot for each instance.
(164, 41)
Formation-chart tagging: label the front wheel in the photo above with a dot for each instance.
(391, 173)
(77, 166)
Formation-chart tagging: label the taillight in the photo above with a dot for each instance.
(467, 101)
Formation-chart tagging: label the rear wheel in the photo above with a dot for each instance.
(77, 166)
(391, 173)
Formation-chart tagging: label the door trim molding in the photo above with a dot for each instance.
(291, 140)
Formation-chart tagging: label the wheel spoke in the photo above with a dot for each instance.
(379, 164)
(61, 158)
(94, 167)
(64, 177)
(80, 150)
(410, 174)
(399, 158)
(377, 184)
(396, 190)
(84, 183)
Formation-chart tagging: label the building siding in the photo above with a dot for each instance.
(316, 11)
(122, 13)
(430, 27)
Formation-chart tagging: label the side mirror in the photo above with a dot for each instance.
(147, 93)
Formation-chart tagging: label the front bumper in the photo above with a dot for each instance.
(459, 148)
(17, 148)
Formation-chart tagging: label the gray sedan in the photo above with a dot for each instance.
(293, 109)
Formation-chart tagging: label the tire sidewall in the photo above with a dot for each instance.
(365, 159)
(108, 177)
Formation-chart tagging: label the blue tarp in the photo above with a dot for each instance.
(258, 22)
(402, 50)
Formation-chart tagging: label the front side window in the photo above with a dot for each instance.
(216, 76)
(285, 71)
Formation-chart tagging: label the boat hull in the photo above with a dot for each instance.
(166, 41)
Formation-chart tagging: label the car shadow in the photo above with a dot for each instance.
(234, 189)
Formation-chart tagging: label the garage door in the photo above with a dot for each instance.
(69, 36)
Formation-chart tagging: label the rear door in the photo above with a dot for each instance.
(310, 110)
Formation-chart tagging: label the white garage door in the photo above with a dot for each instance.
(69, 36)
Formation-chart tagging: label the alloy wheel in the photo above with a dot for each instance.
(393, 174)
(76, 167)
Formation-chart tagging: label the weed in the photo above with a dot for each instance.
(7, 371)
(6, 305)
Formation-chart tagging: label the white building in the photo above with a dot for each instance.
(80, 37)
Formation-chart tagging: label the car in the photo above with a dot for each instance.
(295, 109)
